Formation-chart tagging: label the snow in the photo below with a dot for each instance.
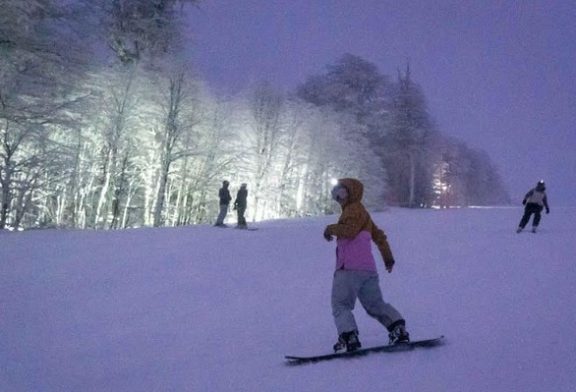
(200, 308)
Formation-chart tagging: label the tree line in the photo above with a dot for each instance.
(104, 125)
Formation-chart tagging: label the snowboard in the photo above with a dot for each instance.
(297, 360)
(238, 228)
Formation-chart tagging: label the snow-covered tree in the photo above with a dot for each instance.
(407, 143)
(357, 90)
(39, 62)
(464, 176)
(137, 30)
(354, 86)
(103, 125)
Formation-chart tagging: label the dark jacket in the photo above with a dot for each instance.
(224, 195)
(241, 198)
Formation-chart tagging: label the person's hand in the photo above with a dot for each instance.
(389, 265)
(524, 202)
(547, 210)
(327, 235)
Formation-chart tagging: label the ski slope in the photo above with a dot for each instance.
(206, 309)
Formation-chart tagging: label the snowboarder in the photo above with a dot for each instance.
(534, 201)
(225, 198)
(240, 205)
(356, 275)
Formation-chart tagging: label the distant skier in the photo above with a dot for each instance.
(534, 201)
(225, 198)
(240, 205)
(356, 275)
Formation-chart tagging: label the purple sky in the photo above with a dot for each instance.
(498, 74)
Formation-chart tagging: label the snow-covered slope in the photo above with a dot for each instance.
(207, 309)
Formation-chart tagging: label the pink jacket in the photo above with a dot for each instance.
(355, 232)
(355, 253)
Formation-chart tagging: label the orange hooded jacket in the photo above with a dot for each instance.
(356, 219)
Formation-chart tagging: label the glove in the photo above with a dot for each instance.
(389, 264)
(547, 210)
(524, 202)
(327, 235)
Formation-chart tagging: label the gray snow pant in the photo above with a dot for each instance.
(222, 215)
(364, 285)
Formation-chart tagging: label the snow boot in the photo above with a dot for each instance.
(348, 341)
(519, 229)
(397, 333)
(533, 229)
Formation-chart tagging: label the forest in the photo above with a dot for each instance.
(105, 124)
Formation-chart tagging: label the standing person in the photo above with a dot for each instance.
(534, 201)
(356, 275)
(224, 195)
(240, 205)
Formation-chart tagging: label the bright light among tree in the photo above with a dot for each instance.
(129, 137)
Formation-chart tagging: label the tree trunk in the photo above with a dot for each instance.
(105, 188)
(160, 197)
(412, 180)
